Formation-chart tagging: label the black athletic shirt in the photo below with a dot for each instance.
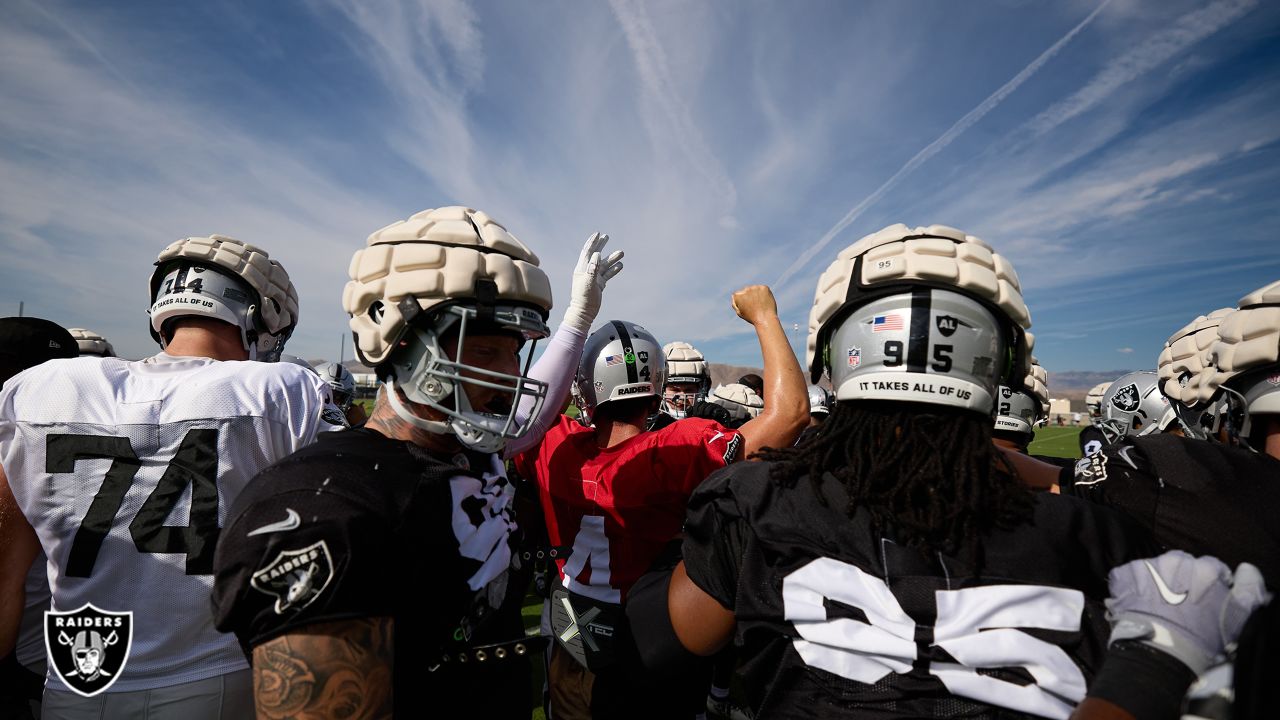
(1193, 495)
(837, 621)
(360, 525)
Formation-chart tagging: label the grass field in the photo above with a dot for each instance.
(1056, 442)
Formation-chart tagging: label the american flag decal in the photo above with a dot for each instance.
(611, 360)
(882, 323)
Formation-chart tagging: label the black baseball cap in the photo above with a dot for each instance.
(27, 341)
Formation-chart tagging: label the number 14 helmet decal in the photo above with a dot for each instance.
(929, 315)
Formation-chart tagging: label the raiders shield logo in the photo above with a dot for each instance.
(88, 647)
(1126, 400)
(1005, 393)
(947, 325)
(295, 578)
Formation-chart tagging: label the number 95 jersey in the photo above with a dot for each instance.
(126, 471)
(836, 620)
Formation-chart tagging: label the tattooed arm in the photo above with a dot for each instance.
(335, 669)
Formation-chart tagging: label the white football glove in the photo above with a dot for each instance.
(589, 278)
(1190, 608)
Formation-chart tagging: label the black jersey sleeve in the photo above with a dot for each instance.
(306, 544)
(716, 532)
(1122, 476)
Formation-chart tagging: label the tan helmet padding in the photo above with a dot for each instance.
(1184, 353)
(435, 256)
(1248, 338)
(935, 254)
(91, 342)
(684, 359)
(1037, 385)
(251, 264)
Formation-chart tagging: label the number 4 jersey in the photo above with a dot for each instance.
(126, 471)
(836, 620)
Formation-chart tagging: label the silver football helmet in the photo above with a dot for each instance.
(341, 381)
(441, 274)
(1133, 405)
(225, 279)
(819, 401)
(621, 360)
(927, 315)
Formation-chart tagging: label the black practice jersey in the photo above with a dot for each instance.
(360, 525)
(835, 620)
(1193, 495)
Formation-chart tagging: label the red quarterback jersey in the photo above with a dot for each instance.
(618, 507)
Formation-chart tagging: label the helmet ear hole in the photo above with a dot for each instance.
(376, 311)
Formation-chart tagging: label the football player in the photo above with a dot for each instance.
(124, 470)
(1091, 438)
(615, 494)
(1019, 412)
(26, 342)
(343, 384)
(91, 343)
(688, 379)
(893, 565)
(1200, 496)
(371, 574)
(1133, 406)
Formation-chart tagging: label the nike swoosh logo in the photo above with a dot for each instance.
(290, 522)
(1169, 596)
(716, 437)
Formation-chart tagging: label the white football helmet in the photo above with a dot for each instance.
(687, 368)
(341, 381)
(447, 271)
(929, 315)
(222, 278)
(621, 360)
(1181, 369)
(91, 343)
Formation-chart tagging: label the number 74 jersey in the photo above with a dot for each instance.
(126, 471)
(836, 620)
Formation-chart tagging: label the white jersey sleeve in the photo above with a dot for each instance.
(126, 470)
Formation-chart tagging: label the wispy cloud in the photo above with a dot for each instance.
(1125, 350)
(1149, 54)
(933, 148)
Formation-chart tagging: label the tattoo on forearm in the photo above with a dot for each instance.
(329, 670)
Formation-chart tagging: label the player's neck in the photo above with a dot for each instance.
(615, 432)
(1272, 444)
(218, 343)
(385, 421)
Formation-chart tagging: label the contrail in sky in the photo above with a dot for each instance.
(937, 146)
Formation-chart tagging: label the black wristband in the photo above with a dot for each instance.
(1143, 681)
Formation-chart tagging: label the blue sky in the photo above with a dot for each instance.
(1124, 155)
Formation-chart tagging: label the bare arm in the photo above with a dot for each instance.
(786, 397)
(18, 548)
(701, 623)
(1096, 709)
(1033, 473)
(336, 669)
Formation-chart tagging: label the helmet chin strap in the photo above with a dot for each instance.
(472, 437)
(434, 426)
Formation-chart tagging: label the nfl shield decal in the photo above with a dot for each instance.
(295, 578)
(1127, 399)
(88, 648)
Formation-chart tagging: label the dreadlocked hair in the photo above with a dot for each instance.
(927, 473)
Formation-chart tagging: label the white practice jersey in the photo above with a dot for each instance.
(126, 471)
